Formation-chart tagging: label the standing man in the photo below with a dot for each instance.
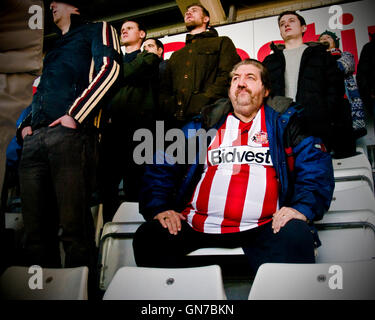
(243, 194)
(156, 46)
(58, 162)
(366, 75)
(197, 74)
(20, 63)
(308, 74)
(133, 107)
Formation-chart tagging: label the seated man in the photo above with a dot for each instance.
(262, 184)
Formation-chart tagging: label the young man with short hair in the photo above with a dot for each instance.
(197, 74)
(133, 107)
(308, 74)
(60, 139)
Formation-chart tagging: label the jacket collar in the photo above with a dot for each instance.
(279, 47)
(75, 21)
(210, 33)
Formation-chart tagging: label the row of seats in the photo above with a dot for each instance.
(322, 281)
(347, 232)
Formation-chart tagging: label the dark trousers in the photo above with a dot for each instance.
(117, 163)
(154, 246)
(57, 172)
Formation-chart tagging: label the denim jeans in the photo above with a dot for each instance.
(57, 172)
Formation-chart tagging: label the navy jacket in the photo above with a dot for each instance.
(77, 73)
(304, 170)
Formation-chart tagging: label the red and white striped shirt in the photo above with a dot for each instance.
(238, 189)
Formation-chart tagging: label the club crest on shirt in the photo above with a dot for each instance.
(260, 137)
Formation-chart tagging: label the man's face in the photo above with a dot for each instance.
(150, 46)
(194, 18)
(290, 27)
(246, 90)
(62, 11)
(130, 33)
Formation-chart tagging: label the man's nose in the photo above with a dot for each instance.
(242, 82)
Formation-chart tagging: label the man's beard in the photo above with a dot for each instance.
(191, 25)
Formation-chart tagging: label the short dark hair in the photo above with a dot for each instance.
(300, 18)
(205, 11)
(140, 25)
(264, 74)
(158, 43)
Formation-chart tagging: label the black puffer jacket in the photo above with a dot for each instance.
(320, 91)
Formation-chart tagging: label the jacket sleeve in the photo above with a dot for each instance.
(364, 76)
(23, 121)
(346, 63)
(335, 89)
(313, 178)
(228, 57)
(144, 66)
(105, 50)
(167, 98)
(159, 185)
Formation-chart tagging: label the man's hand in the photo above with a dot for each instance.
(282, 216)
(65, 121)
(27, 131)
(170, 219)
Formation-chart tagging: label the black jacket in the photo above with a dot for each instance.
(320, 91)
(78, 72)
(366, 73)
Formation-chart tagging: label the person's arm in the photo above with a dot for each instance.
(313, 183)
(106, 55)
(346, 63)
(24, 125)
(144, 66)
(312, 179)
(333, 81)
(167, 97)
(364, 75)
(159, 184)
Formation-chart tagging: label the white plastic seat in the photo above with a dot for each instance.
(16, 283)
(323, 281)
(135, 283)
(216, 251)
(357, 167)
(128, 212)
(346, 236)
(116, 244)
(352, 195)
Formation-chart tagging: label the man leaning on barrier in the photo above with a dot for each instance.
(263, 183)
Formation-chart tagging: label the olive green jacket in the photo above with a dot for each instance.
(197, 75)
(138, 93)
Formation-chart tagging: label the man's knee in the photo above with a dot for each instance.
(145, 241)
(298, 240)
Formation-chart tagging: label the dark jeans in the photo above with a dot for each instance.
(154, 246)
(57, 172)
